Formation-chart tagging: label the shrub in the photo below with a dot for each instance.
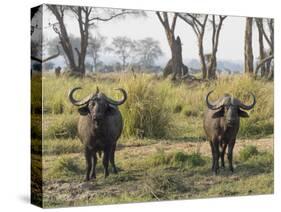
(176, 159)
(144, 113)
(60, 126)
(65, 166)
(159, 184)
(154, 107)
(177, 109)
(195, 159)
(262, 162)
(248, 152)
(61, 146)
(190, 113)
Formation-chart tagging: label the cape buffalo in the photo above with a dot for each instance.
(221, 125)
(99, 127)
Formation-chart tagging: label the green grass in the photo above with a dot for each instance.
(142, 181)
(160, 155)
(65, 166)
(61, 146)
(175, 159)
(156, 108)
(61, 126)
(248, 152)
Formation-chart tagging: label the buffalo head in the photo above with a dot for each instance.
(97, 104)
(230, 108)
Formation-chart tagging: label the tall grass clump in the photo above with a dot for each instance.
(144, 113)
(248, 152)
(158, 108)
(61, 146)
(254, 161)
(175, 159)
(59, 126)
(65, 166)
(160, 185)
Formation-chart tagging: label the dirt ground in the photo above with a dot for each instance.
(125, 187)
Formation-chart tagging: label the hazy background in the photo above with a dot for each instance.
(231, 44)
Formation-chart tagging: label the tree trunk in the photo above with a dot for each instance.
(124, 63)
(95, 64)
(175, 46)
(176, 59)
(202, 58)
(212, 66)
(259, 23)
(248, 50)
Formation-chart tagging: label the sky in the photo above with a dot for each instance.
(231, 42)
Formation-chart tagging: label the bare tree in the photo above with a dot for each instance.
(259, 23)
(265, 63)
(36, 41)
(148, 50)
(86, 18)
(198, 24)
(216, 28)
(123, 47)
(248, 49)
(175, 63)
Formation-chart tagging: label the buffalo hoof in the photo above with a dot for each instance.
(86, 179)
(114, 170)
(215, 173)
(93, 177)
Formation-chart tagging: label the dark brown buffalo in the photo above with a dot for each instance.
(58, 71)
(221, 125)
(99, 127)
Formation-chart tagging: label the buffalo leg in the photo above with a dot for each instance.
(105, 162)
(229, 154)
(213, 154)
(222, 154)
(216, 157)
(88, 156)
(95, 159)
(112, 159)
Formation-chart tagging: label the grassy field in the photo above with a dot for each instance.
(163, 153)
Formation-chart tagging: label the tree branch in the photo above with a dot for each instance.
(160, 18)
(267, 38)
(48, 58)
(111, 17)
(174, 22)
(263, 62)
(195, 19)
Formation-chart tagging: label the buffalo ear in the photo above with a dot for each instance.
(218, 114)
(83, 111)
(242, 114)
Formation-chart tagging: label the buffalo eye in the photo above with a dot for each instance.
(219, 113)
(83, 111)
(242, 113)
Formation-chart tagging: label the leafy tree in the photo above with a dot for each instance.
(96, 46)
(148, 50)
(124, 48)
